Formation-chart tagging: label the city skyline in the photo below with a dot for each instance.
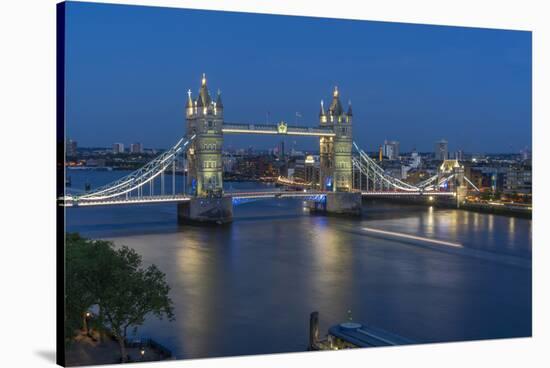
(412, 83)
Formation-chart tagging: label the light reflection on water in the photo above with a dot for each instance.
(249, 287)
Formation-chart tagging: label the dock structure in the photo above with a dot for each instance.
(351, 335)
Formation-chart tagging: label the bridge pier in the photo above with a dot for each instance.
(338, 203)
(206, 210)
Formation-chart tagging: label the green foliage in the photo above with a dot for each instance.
(133, 293)
(113, 280)
(80, 298)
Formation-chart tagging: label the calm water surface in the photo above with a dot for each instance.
(248, 288)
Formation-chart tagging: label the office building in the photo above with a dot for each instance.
(118, 148)
(518, 179)
(391, 149)
(441, 150)
(70, 148)
(136, 148)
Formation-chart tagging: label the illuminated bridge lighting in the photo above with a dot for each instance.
(246, 197)
(413, 237)
(242, 200)
(390, 193)
(123, 201)
(138, 187)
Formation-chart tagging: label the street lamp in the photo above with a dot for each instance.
(87, 317)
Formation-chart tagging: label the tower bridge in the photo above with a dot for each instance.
(344, 177)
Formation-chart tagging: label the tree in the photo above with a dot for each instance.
(88, 269)
(78, 295)
(133, 293)
(114, 280)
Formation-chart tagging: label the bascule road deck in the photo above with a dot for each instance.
(237, 196)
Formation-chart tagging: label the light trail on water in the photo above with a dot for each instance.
(413, 237)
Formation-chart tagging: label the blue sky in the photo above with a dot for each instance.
(129, 68)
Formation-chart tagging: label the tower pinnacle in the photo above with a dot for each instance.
(189, 100)
(203, 100)
(219, 103)
(335, 108)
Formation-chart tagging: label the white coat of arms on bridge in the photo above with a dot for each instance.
(282, 127)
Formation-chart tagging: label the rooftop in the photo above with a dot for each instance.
(366, 336)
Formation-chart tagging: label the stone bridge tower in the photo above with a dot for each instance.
(204, 156)
(335, 152)
(457, 184)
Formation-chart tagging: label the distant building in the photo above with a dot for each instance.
(290, 173)
(415, 176)
(296, 153)
(100, 162)
(229, 163)
(416, 160)
(118, 148)
(459, 155)
(518, 179)
(391, 149)
(136, 148)
(497, 181)
(281, 150)
(525, 154)
(395, 171)
(441, 150)
(404, 171)
(475, 175)
(307, 169)
(70, 148)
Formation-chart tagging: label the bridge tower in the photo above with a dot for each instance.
(205, 119)
(335, 152)
(204, 159)
(457, 184)
(335, 162)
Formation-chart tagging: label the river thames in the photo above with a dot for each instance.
(248, 288)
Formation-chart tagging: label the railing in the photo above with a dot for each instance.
(146, 342)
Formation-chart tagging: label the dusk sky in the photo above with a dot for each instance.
(129, 69)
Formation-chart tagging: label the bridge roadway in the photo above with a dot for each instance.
(236, 196)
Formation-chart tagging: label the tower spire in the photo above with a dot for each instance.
(219, 104)
(203, 100)
(189, 100)
(335, 107)
(322, 111)
(349, 113)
